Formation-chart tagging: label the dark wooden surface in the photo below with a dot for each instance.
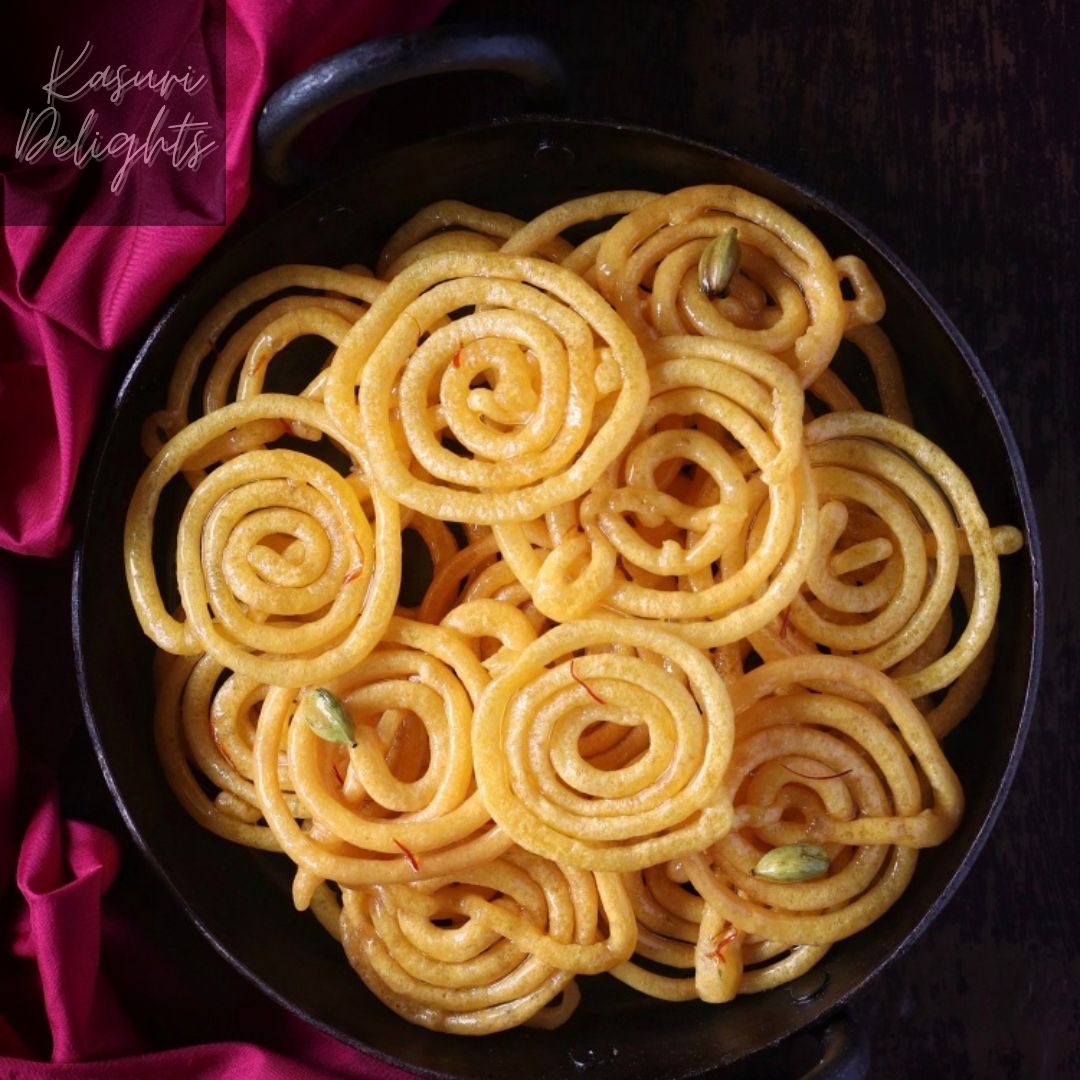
(950, 130)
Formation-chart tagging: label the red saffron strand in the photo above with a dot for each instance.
(410, 858)
(807, 776)
(352, 575)
(722, 942)
(588, 689)
(457, 359)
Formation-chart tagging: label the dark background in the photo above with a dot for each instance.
(950, 130)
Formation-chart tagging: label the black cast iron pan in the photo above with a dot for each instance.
(240, 898)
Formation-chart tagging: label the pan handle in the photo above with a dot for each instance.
(394, 59)
(845, 1053)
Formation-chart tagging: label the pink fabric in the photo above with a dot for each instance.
(71, 298)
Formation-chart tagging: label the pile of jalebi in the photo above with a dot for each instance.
(670, 699)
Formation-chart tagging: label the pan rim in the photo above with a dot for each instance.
(91, 477)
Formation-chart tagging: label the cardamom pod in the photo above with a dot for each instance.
(718, 263)
(793, 862)
(328, 717)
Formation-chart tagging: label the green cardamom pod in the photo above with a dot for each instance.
(793, 862)
(327, 717)
(718, 263)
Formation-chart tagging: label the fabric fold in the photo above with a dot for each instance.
(71, 296)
